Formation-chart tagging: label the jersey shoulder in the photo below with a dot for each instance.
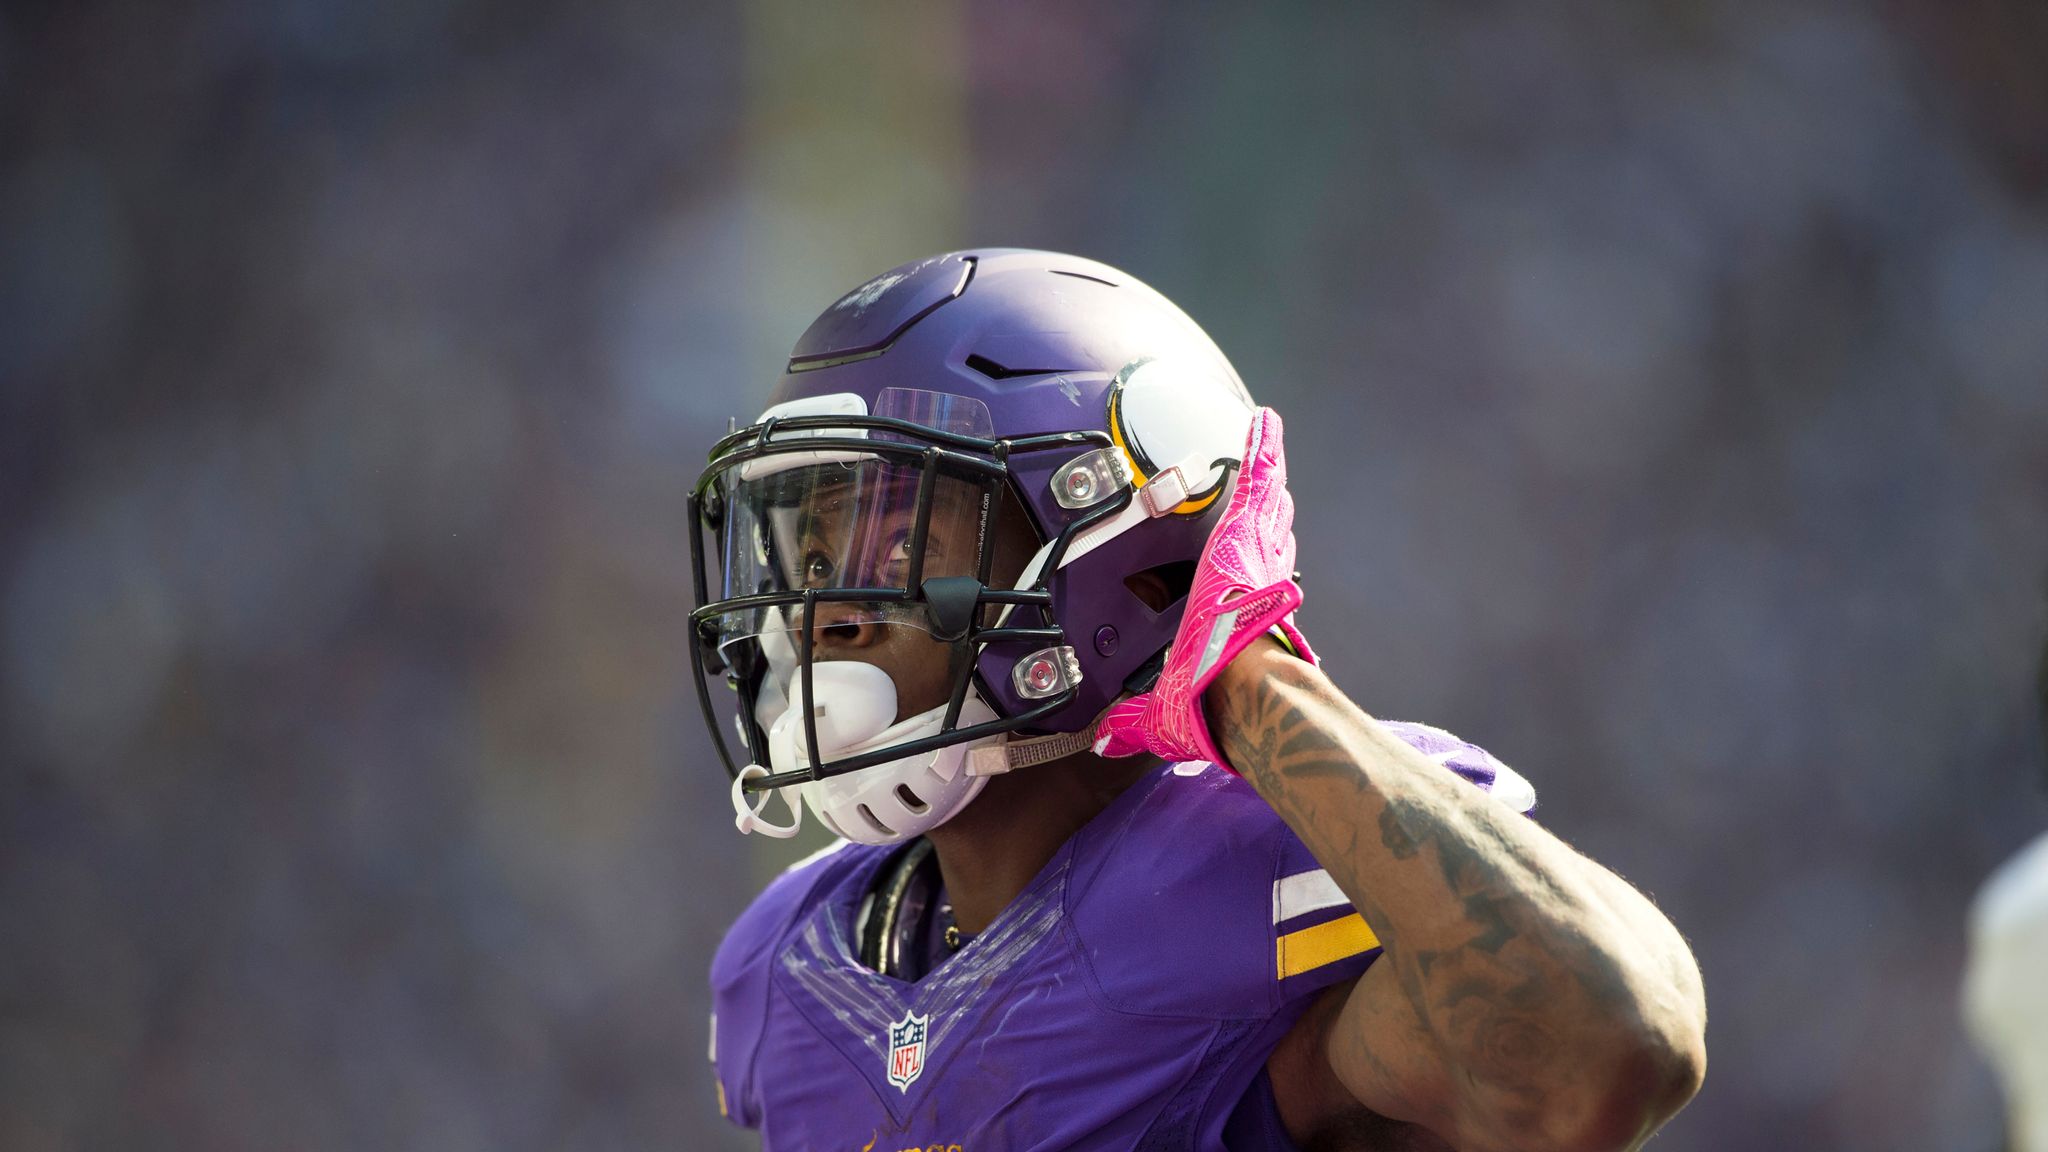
(789, 895)
(1199, 900)
(1468, 760)
(742, 967)
(1174, 903)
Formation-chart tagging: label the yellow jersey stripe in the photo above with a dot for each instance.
(1311, 948)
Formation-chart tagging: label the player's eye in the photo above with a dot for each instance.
(818, 568)
(896, 558)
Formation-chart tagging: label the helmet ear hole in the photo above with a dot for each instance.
(1162, 586)
(868, 814)
(910, 799)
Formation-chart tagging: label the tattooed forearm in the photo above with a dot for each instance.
(1543, 980)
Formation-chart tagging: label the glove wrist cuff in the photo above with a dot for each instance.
(1267, 612)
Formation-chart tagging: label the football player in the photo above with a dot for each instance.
(1002, 587)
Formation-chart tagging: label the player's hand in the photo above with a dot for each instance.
(1243, 588)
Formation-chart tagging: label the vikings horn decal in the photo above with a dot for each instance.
(906, 1049)
(1167, 413)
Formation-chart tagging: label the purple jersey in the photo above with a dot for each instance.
(1128, 998)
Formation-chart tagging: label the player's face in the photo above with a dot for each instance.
(858, 533)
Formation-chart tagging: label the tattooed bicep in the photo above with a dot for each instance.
(1319, 1111)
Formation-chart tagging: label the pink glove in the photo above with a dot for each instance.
(1243, 587)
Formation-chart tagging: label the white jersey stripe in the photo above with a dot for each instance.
(1305, 892)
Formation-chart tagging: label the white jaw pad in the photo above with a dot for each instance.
(916, 728)
(856, 703)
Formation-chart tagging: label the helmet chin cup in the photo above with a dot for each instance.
(886, 803)
(855, 703)
(874, 805)
(748, 817)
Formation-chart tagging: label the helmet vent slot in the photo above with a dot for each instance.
(868, 814)
(995, 371)
(910, 799)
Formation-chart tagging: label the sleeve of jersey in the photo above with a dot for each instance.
(740, 974)
(739, 1002)
(1319, 939)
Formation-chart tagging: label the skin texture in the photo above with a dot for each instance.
(1527, 998)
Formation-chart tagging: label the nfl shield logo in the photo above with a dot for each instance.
(906, 1049)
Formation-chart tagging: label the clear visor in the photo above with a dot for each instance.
(840, 522)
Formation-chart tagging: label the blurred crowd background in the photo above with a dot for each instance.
(1669, 413)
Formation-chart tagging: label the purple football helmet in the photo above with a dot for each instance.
(953, 391)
